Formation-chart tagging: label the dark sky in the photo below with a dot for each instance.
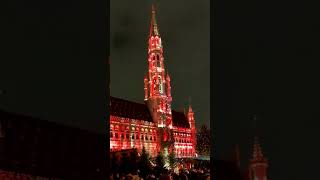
(265, 56)
(185, 31)
(53, 61)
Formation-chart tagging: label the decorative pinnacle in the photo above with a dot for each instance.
(168, 77)
(153, 26)
(257, 151)
(190, 108)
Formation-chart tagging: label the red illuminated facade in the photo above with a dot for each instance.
(153, 125)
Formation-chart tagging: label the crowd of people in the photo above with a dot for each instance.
(193, 174)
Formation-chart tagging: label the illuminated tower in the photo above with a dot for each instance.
(258, 163)
(193, 129)
(157, 86)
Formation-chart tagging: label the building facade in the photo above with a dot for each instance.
(153, 124)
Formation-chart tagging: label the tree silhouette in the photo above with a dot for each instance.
(133, 158)
(203, 141)
(125, 163)
(159, 163)
(144, 163)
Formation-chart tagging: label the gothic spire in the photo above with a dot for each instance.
(153, 25)
(190, 108)
(257, 151)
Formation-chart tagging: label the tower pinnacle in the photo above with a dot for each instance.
(257, 151)
(153, 25)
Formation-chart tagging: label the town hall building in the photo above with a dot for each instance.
(153, 124)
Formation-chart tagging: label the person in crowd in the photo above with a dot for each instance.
(133, 175)
(182, 175)
(151, 177)
(206, 177)
(165, 175)
(174, 176)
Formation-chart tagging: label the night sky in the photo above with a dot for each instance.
(53, 61)
(185, 33)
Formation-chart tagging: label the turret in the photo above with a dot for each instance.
(192, 127)
(258, 163)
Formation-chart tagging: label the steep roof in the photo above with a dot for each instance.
(128, 109)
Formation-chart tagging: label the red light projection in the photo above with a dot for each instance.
(153, 124)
